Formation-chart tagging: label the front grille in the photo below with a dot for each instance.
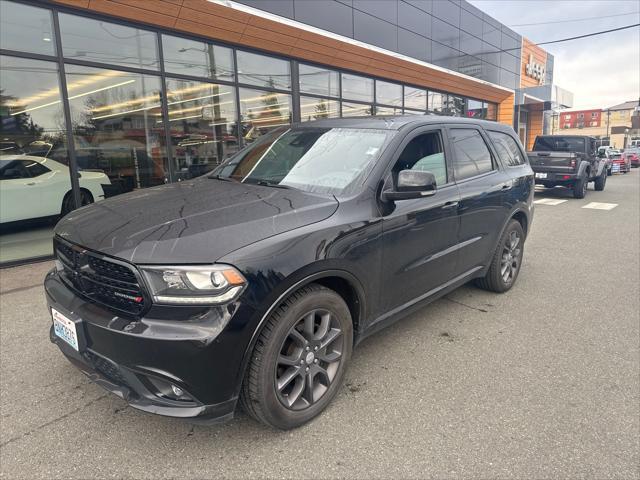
(100, 279)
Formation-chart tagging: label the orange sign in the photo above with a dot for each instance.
(533, 65)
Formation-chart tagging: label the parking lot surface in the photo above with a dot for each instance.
(540, 382)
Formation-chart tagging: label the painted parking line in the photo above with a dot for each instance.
(549, 201)
(601, 206)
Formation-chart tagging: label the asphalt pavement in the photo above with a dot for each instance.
(540, 382)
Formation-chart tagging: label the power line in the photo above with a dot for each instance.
(575, 20)
(570, 38)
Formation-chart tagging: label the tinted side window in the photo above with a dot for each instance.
(507, 148)
(424, 153)
(471, 154)
(13, 170)
(35, 169)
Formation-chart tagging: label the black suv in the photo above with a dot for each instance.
(255, 282)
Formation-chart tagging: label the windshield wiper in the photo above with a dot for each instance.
(223, 179)
(267, 183)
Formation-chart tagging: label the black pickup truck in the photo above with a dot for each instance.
(569, 161)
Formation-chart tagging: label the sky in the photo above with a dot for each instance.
(601, 71)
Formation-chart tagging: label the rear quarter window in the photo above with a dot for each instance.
(508, 149)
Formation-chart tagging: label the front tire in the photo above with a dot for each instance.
(600, 182)
(68, 204)
(299, 360)
(507, 259)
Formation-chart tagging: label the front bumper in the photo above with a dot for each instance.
(136, 358)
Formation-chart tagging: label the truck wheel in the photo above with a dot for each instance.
(299, 360)
(601, 181)
(505, 264)
(609, 172)
(580, 187)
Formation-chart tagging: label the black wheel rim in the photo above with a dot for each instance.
(309, 359)
(511, 254)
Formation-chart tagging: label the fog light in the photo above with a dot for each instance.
(59, 266)
(177, 391)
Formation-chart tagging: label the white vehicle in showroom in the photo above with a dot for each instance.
(35, 187)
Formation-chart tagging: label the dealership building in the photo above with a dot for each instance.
(121, 95)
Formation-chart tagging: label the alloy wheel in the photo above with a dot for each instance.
(309, 359)
(511, 254)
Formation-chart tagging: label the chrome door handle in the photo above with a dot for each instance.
(450, 205)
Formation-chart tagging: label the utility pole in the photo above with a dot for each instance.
(608, 116)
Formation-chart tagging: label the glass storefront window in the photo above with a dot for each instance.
(356, 110)
(388, 110)
(455, 106)
(117, 126)
(492, 111)
(197, 59)
(202, 125)
(35, 185)
(475, 109)
(355, 87)
(388, 93)
(97, 41)
(263, 71)
(319, 81)
(312, 108)
(437, 102)
(26, 29)
(415, 98)
(262, 111)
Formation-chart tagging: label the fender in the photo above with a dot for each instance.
(349, 277)
(583, 168)
(516, 210)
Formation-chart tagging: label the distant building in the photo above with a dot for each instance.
(612, 126)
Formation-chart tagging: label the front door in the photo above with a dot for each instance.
(420, 235)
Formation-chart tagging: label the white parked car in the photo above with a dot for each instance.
(35, 187)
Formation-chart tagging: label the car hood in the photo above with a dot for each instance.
(197, 221)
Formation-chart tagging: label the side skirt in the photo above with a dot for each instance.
(402, 311)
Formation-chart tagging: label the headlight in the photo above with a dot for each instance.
(212, 285)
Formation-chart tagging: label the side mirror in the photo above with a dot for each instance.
(412, 184)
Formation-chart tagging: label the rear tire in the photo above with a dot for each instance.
(507, 259)
(609, 172)
(68, 204)
(600, 182)
(299, 360)
(580, 187)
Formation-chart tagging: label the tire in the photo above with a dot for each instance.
(285, 353)
(68, 203)
(609, 172)
(580, 187)
(600, 182)
(496, 279)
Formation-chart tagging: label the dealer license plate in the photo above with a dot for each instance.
(64, 328)
(541, 175)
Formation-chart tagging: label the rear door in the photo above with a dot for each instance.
(482, 183)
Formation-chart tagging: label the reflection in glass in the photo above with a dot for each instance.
(413, 112)
(263, 71)
(202, 124)
(197, 59)
(437, 102)
(26, 28)
(455, 106)
(321, 160)
(97, 41)
(319, 81)
(388, 93)
(356, 110)
(262, 111)
(34, 177)
(492, 111)
(388, 110)
(475, 109)
(355, 87)
(312, 108)
(415, 98)
(116, 125)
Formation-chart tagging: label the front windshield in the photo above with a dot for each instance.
(317, 160)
